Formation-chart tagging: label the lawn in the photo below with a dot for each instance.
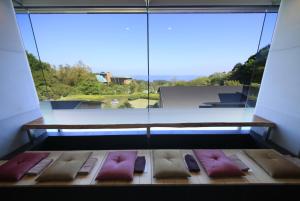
(142, 103)
(115, 101)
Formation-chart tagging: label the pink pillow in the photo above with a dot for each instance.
(217, 164)
(15, 168)
(118, 165)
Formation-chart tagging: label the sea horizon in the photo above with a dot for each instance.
(165, 77)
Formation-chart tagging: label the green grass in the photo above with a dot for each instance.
(138, 100)
(84, 98)
(142, 103)
(103, 97)
(143, 96)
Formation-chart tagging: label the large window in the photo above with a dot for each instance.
(99, 61)
(158, 60)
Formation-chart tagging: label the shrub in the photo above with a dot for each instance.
(125, 105)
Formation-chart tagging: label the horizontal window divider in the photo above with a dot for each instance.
(143, 9)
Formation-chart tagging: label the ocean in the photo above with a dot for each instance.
(165, 77)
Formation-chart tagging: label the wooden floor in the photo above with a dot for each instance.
(256, 175)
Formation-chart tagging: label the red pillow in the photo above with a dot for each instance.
(118, 165)
(217, 164)
(15, 168)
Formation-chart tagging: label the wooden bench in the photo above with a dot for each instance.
(255, 185)
(256, 175)
(143, 118)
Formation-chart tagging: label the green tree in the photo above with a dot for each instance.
(52, 83)
(201, 81)
(232, 83)
(89, 87)
(218, 78)
(252, 70)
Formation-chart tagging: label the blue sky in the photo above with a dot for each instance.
(180, 44)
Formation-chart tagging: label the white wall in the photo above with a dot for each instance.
(279, 96)
(18, 98)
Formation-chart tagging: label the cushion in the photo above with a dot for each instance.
(65, 168)
(88, 166)
(38, 168)
(217, 164)
(274, 163)
(191, 163)
(15, 168)
(118, 165)
(295, 160)
(239, 163)
(169, 164)
(139, 165)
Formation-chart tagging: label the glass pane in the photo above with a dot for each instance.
(32, 54)
(197, 60)
(94, 60)
(202, 60)
(260, 58)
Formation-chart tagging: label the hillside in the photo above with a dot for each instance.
(64, 82)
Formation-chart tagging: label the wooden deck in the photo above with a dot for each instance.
(256, 175)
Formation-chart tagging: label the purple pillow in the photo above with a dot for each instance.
(139, 165)
(217, 164)
(118, 165)
(15, 168)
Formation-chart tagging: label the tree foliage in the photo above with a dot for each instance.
(72, 80)
(62, 81)
(252, 70)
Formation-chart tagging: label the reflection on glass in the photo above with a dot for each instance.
(32, 54)
(259, 59)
